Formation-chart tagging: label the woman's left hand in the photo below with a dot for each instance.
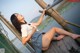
(44, 10)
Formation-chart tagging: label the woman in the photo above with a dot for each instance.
(38, 40)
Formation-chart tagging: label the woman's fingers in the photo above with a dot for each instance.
(44, 10)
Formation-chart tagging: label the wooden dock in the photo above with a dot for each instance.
(66, 45)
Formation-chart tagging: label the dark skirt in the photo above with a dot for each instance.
(36, 42)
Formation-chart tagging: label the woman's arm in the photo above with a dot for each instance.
(27, 38)
(40, 19)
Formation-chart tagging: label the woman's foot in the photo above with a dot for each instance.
(75, 36)
(59, 37)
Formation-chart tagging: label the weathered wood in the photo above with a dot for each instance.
(62, 46)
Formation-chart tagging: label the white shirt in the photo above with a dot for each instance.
(26, 29)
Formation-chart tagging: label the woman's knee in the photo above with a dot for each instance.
(55, 28)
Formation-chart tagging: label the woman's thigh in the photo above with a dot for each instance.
(47, 37)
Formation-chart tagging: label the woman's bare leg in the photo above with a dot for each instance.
(46, 39)
(63, 32)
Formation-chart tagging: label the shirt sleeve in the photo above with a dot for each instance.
(24, 32)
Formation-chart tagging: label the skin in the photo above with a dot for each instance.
(48, 36)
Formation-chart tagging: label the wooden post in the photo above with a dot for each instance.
(54, 14)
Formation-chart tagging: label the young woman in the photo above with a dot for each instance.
(38, 40)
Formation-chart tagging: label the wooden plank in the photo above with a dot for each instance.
(62, 46)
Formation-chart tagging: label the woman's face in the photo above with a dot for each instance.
(20, 18)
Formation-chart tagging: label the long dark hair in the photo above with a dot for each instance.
(16, 23)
